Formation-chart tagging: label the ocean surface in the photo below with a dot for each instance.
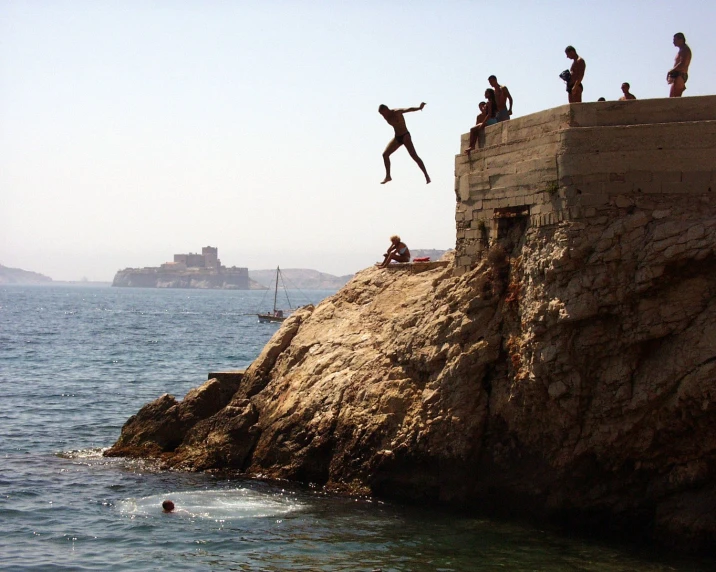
(77, 361)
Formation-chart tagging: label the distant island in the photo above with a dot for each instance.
(18, 276)
(301, 278)
(191, 270)
(206, 271)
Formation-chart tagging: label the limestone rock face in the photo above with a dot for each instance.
(569, 375)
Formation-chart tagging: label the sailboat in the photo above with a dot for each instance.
(277, 315)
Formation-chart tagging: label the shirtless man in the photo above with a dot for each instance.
(395, 119)
(625, 91)
(679, 74)
(575, 87)
(502, 95)
(479, 124)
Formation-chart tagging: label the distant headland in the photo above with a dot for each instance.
(189, 271)
(18, 276)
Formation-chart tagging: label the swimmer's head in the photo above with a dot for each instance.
(168, 506)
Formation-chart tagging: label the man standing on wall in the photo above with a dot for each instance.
(625, 90)
(679, 74)
(502, 96)
(575, 87)
(395, 119)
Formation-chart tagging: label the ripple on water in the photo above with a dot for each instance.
(219, 505)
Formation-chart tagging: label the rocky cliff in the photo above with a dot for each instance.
(567, 373)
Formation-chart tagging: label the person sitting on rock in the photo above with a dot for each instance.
(397, 251)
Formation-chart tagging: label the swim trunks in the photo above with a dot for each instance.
(399, 138)
(490, 121)
(677, 74)
(502, 115)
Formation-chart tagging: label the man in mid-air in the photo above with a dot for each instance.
(679, 74)
(395, 119)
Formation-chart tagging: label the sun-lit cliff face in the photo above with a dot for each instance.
(563, 369)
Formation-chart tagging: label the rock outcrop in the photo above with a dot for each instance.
(568, 373)
(543, 382)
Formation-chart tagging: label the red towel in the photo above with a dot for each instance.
(422, 259)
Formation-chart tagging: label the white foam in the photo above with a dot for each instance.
(227, 504)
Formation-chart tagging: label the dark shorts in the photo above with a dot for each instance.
(503, 115)
(399, 138)
(676, 75)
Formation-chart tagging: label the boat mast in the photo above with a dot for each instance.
(275, 292)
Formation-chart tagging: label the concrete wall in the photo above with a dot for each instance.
(580, 161)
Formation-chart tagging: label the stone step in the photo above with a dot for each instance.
(584, 164)
(655, 136)
(644, 111)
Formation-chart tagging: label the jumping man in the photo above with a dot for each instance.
(395, 119)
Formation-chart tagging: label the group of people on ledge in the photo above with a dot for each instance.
(676, 77)
(494, 108)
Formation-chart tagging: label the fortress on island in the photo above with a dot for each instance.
(188, 271)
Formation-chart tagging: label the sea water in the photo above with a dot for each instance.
(77, 361)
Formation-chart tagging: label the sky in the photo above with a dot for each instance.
(136, 129)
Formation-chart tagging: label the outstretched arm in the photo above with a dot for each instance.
(409, 109)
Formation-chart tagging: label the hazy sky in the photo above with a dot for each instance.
(133, 130)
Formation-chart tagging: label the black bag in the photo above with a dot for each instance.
(566, 75)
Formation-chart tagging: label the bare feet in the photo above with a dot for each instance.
(386, 180)
(427, 180)
(469, 150)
